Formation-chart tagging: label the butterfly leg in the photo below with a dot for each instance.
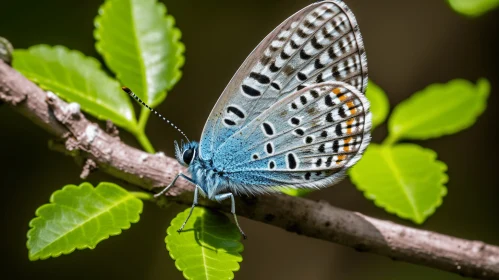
(194, 203)
(172, 183)
(224, 196)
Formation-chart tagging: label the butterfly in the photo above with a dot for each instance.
(294, 115)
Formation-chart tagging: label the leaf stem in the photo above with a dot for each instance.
(140, 132)
(144, 141)
(144, 116)
(143, 196)
(390, 140)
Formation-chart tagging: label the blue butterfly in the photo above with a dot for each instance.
(294, 115)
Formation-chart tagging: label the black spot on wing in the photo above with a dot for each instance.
(295, 121)
(329, 101)
(332, 55)
(318, 64)
(301, 33)
(271, 164)
(319, 78)
(301, 76)
(268, 129)
(337, 130)
(329, 161)
(229, 122)
(284, 55)
(236, 111)
(314, 93)
(293, 45)
(304, 55)
(326, 33)
(262, 79)
(292, 163)
(273, 68)
(251, 91)
(322, 148)
(336, 146)
(315, 44)
(275, 85)
(269, 148)
(341, 112)
(329, 117)
(303, 99)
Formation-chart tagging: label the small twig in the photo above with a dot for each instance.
(85, 140)
(89, 167)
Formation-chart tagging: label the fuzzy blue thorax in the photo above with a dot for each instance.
(204, 174)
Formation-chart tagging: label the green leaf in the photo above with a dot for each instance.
(141, 44)
(405, 179)
(379, 103)
(79, 217)
(473, 8)
(296, 192)
(76, 78)
(439, 109)
(207, 248)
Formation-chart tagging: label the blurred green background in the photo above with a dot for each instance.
(410, 44)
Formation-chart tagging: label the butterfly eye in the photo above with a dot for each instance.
(188, 156)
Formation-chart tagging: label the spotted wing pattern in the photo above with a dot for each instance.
(307, 139)
(320, 43)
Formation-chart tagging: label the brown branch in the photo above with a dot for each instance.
(95, 148)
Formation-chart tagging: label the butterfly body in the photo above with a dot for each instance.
(294, 115)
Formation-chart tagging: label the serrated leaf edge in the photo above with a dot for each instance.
(91, 60)
(67, 252)
(176, 35)
(177, 264)
(482, 87)
(443, 167)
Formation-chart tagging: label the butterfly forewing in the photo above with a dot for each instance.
(318, 44)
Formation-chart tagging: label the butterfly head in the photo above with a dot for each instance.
(186, 153)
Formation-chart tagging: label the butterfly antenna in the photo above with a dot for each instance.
(130, 92)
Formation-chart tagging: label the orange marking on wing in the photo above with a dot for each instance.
(350, 105)
(337, 91)
(341, 158)
(349, 123)
(345, 147)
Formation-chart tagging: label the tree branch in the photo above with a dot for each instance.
(95, 148)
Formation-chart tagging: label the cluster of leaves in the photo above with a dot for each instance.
(406, 179)
(138, 42)
(141, 45)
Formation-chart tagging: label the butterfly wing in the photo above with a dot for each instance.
(307, 139)
(320, 43)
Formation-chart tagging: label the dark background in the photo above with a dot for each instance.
(410, 44)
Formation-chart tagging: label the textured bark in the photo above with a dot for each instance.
(100, 149)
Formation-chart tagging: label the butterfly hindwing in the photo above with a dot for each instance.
(318, 44)
(307, 139)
